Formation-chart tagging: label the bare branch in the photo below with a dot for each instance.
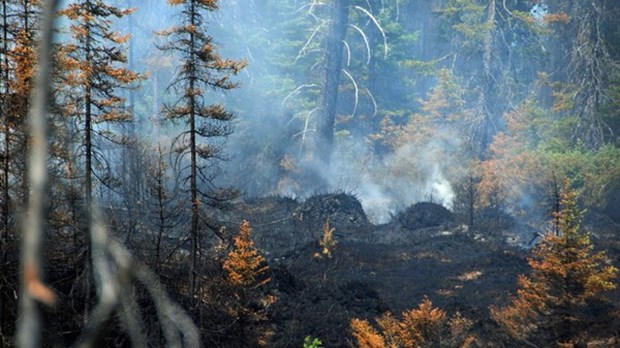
(374, 102)
(302, 52)
(311, 85)
(346, 45)
(311, 10)
(374, 20)
(365, 41)
(397, 9)
(306, 129)
(112, 286)
(356, 91)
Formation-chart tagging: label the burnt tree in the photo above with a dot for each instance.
(199, 145)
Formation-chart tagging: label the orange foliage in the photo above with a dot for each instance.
(441, 119)
(425, 326)
(366, 335)
(327, 242)
(513, 163)
(557, 18)
(25, 59)
(246, 270)
(422, 326)
(245, 266)
(566, 276)
(84, 66)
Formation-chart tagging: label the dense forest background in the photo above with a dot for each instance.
(173, 119)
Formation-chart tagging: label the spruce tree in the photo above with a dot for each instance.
(24, 58)
(93, 65)
(199, 145)
(90, 71)
(551, 305)
(247, 272)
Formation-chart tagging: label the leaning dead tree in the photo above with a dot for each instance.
(114, 269)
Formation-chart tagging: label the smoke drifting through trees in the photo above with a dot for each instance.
(283, 137)
(455, 69)
(401, 63)
(396, 102)
(425, 86)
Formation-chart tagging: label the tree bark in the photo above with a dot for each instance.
(485, 117)
(328, 100)
(194, 235)
(7, 126)
(587, 70)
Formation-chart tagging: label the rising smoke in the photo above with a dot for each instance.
(270, 152)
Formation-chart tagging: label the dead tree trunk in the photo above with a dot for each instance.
(334, 44)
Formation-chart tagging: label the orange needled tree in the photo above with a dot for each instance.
(568, 276)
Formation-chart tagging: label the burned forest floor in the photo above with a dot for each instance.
(424, 251)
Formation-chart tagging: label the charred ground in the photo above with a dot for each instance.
(423, 251)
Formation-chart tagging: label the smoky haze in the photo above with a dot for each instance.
(271, 150)
(391, 77)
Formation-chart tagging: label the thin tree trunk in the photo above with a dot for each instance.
(193, 182)
(162, 219)
(29, 329)
(88, 184)
(26, 140)
(471, 188)
(7, 124)
(4, 109)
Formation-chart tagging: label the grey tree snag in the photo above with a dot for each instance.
(328, 99)
(29, 330)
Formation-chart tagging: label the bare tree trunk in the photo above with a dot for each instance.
(88, 184)
(328, 99)
(4, 111)
(4, 74)
(29, 330)
(193, 180)
(161, 205)
(557, 199)
(471, 200)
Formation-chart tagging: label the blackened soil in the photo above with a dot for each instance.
(422, 252)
